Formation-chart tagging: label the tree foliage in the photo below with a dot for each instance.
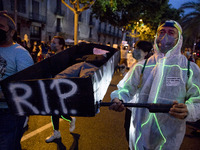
(191, 22)
(142, 31)
(125, 13)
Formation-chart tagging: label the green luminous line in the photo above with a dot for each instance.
(189, 101)
(160, 131)
(52, 123)
(132, 72)
(150, 116)
(155, 100)
(147, 66)
(176, 66)
(160, 81)
(126, 90)
(122, 90)
(66, 119)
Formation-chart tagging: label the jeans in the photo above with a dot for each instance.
(11, 130)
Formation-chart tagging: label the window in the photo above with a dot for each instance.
(113, 40)
(110, 28)
(35, 31)
(21, 5)
(105, 26)
(99, 37)
(90, 35)
(58, 4)
(99, 26)
(1, 5)
(35, 7)
(58, 25)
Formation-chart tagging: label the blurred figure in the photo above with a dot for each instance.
(190, 55)
(57, 45)
(24, 44)
(34, 51)
(45, 48)
(124, 49)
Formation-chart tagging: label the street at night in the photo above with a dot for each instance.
(100, 75)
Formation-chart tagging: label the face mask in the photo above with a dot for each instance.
(53, 47)
(3, 36)
(165, 43)
(137, 54)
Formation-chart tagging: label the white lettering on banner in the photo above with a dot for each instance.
(172, 81)
(21, 100)
(44, 96)
(56, 84)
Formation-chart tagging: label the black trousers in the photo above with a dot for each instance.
(127, 123)
(55, 120)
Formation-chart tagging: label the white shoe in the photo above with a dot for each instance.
(72, 124)
(55, 135)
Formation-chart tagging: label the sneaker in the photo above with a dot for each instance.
(55, 135)
(72, 124)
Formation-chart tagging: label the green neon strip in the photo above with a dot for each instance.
(189, 101)
(160, 131)
(126, 90)
(52, 123)
(155, 100)
(140, 134)
(66, 119)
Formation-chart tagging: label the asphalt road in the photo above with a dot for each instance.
(105, 131)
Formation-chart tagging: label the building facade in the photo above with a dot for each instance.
(41, 20)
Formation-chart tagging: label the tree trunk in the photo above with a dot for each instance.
(76, 28)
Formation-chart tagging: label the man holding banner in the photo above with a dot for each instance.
(13, 58)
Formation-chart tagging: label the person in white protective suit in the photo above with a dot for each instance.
(168, 78)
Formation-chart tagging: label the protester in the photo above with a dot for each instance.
(57, 45)
(168, 78)
(124, 49)
(45, 49)
(24, 44)
(34, 51)
(13, 58)
(141, 51)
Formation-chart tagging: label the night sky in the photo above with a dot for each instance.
(178, 3)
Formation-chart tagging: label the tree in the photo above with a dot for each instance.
(191, 22)
(126, 13)
(142, 31)
(77, 7)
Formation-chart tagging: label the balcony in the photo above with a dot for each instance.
(37, 17)
(59, 12)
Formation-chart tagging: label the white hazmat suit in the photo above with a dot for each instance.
(165, 79)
